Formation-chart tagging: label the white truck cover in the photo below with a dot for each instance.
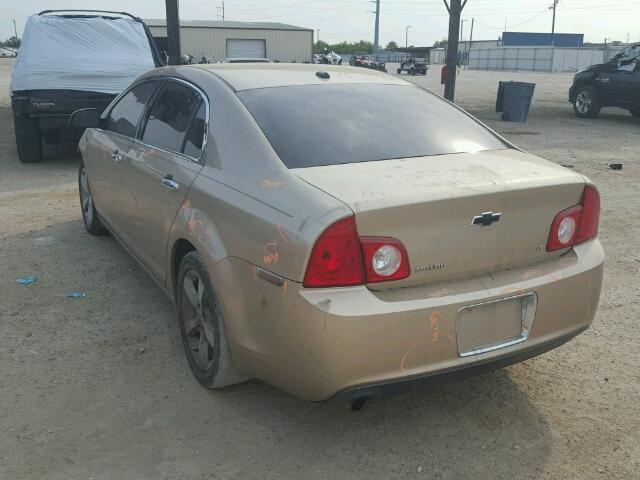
(93, 54)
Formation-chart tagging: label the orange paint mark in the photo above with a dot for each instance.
(451, 339)
(285, 285)
(271, 256)
(435, 326)
(441, 293)
(186, 204)
(511, 290)
(404, 357)
(266, 183)
(530, 274)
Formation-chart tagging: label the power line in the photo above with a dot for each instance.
(514, 26)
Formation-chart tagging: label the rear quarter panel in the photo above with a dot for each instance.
(245, 203)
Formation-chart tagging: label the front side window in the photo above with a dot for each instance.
(126, 114)
(362, 123)
(170, 116)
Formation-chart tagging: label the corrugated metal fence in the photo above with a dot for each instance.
(538, 59)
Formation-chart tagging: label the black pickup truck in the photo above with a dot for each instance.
(612, 84)
(69, 60)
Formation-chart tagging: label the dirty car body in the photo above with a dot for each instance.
(435, 249)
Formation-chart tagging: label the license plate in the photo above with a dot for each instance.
(492, 325)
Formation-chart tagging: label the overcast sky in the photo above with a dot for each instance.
(352, 20)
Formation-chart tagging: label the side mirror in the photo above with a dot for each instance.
(85, 118)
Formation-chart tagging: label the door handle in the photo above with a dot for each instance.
(115, 156)
(170, 183)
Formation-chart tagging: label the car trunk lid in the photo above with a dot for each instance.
(429, 203)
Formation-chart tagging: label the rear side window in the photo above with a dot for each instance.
(195, 134)
(313, 125)
(126, 114)
(170, 116)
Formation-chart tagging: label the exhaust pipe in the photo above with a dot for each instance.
(358, 404)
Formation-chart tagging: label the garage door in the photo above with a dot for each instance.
(241, 48)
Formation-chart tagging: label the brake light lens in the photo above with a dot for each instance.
(588, 227)
(336, 259)
(385, 259)
(341, 258)
(577, 224)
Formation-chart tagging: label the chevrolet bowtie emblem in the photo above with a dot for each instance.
(485, 219)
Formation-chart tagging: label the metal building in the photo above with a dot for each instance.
(531, 39)
(219, 39)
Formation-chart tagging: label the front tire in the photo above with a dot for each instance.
(28, 139)
(90, 218)
(202, 326)
(586, 103)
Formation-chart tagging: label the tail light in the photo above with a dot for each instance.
(384, 259)
(577, 224)
(341, 258)
(336, 260)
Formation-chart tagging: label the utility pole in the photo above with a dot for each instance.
(461, 57)
(470, 41)
(221, 9)
(318, 40)
(15, 31)
(173, 32)
(376, 37)
(553, 23)
(454, 7)
(406, 36)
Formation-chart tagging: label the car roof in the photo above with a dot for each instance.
(247, 76)
(243, 59)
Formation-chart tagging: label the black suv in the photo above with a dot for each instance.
(69, 60)
(612, 84)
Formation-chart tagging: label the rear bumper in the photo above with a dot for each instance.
(351, 341)
(400, 385)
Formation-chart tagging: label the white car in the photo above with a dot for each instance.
(5, 53)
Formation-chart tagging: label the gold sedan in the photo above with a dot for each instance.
(338, 232)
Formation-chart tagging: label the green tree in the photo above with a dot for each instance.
(441, 43)
(321, 47)
(11, 42)
(392, 45)
(343, 48)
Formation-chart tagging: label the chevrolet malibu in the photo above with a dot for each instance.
(415, 245)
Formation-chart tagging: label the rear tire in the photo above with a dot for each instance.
(92, 223)
(28, 139)
(202, 326)
(586, 103)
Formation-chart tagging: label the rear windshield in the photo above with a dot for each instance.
(314, 125)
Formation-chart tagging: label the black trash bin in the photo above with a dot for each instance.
(514, 100)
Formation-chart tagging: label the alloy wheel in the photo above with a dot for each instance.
(583, 102)
(198, 320)
(86, 201)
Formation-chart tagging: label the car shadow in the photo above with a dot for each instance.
(485, 425)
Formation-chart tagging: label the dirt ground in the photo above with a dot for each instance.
(99, 387)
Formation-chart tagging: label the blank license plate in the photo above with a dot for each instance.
(489, 326)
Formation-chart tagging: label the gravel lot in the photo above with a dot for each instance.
(99, 387)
